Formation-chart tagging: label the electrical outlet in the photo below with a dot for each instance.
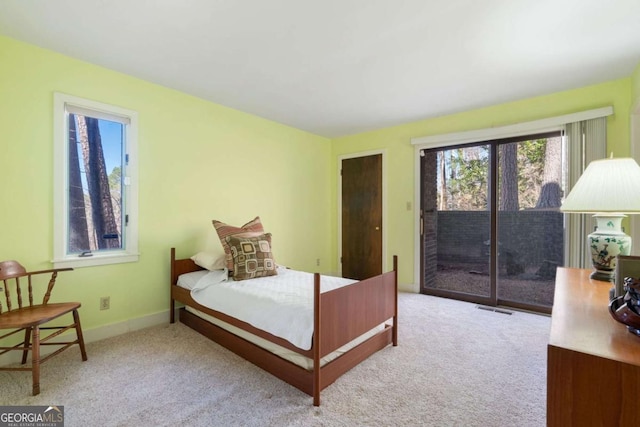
(318, 261)
(105, 303)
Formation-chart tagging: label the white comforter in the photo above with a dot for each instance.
(281, 305)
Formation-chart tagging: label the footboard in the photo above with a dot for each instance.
(345, 313)
(350, 311)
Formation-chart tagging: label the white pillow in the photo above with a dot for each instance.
(209, 260)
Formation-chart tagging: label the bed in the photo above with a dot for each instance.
(349, 323)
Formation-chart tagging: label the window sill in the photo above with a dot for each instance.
(94, 260)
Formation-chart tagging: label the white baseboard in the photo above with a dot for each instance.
(129, 325)
(93, 334)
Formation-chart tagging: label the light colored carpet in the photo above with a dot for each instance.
(455, 365)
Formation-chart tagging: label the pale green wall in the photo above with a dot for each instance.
(400, 153)
(198, 161)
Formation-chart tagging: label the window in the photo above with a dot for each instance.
(95, 183)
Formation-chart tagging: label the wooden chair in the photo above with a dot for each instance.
(29, 318)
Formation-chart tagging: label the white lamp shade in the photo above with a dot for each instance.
(607, 185)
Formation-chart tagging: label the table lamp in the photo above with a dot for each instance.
(609, 189)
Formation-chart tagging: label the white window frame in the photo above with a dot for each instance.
(129, 253)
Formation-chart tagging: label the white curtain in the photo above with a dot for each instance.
(585, 141)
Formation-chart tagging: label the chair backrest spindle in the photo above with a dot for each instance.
(30, 293)
(4, 286)
(18, 292)
(52, 282)
(7, 293)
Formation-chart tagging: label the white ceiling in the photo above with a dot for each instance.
(338, 67)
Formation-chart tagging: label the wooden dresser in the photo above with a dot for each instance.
(593, 362)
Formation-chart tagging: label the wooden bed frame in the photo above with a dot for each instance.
(340, 316)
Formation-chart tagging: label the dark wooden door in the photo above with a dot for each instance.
(362, 217)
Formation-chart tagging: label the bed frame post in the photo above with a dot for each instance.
(172, 306)
(394, 333)
(316, 339)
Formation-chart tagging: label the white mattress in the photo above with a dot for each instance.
(189, 280)
(281, 304)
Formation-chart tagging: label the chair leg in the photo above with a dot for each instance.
(27, 338)
(35, 355)
(76, 319)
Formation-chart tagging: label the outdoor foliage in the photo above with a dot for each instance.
(463, 178)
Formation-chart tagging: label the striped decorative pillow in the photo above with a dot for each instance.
(251, 229)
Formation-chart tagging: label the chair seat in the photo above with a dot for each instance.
(38, 314)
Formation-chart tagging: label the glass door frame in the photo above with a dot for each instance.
(493, 205)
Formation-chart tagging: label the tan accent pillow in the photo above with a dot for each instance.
(251, 229)
(252, 256)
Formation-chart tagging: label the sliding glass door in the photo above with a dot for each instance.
(457, 223)
(492, 232)
(530, 226)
